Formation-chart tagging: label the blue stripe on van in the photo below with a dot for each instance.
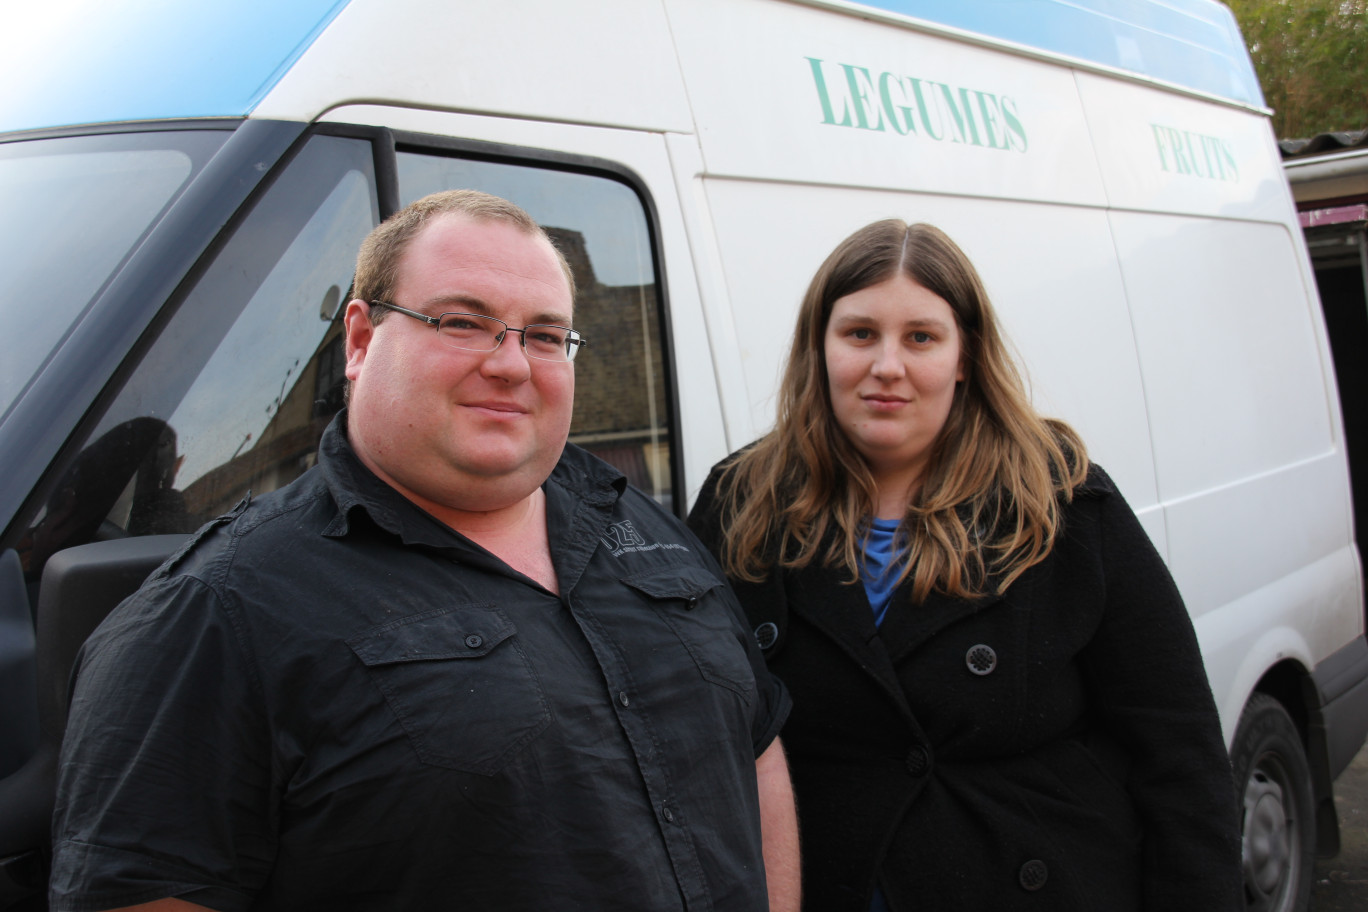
(1191, 43)
(92, 61)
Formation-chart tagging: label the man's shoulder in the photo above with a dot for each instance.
(231, 572)
(270, 529)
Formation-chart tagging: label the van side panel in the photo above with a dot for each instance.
(1049, 270)
(1227, 350)
(791, 93)
(1160, 151)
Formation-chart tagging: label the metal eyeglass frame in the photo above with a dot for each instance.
(573, 340)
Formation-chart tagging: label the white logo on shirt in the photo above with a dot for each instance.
(623, 538)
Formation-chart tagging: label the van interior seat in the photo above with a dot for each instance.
(80, 587)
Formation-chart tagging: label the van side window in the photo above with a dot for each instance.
(601, 227)
(239, 384)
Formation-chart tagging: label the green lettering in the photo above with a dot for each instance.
(894, 103)
(926, 118)
(828, 115)
(1179, 155)
(968, 108)
(1193, 156)
(909, 124)
(988, 108)
(1185, 152)
(1213, 160)
(1159, 144)
(860, 98)
(962, 134)
(1228, 156)
(1016, 132)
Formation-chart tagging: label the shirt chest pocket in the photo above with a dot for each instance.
(695, 605)
(460, 683)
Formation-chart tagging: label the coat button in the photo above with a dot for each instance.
(767, 634)
(918, 761)
(474, 641)
(981, 659)
(1033, 874)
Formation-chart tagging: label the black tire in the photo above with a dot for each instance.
(1277, 821)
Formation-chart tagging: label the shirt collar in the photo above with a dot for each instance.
(356, 488)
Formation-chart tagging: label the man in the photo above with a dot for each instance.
(430, 673)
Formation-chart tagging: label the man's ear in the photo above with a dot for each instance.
(359, 331)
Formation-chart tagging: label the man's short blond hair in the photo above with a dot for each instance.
(377, 263)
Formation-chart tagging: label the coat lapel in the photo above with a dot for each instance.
(841, 612)
(907, 626)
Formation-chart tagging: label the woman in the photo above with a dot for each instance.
(998, 698)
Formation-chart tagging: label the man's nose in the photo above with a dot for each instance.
(508, 359)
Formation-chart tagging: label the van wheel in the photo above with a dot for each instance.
(1277, 823)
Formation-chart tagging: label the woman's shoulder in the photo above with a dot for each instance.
(705, 516)
(1100, 496)
(749, 450)
(724, 473)
(1097, 483)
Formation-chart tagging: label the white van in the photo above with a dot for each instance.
(185, 186)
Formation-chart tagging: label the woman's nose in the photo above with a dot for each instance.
(888, 363)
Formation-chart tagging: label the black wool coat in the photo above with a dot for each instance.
(1055, 748)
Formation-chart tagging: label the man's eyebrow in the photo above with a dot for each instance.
(466, 303)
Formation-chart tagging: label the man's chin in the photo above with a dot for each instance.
(502, 480)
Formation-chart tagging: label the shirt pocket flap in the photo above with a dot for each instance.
(467, 632)
(684, 582)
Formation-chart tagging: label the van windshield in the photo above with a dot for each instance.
(72, 209)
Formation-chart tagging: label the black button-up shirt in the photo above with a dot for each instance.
(331, 700)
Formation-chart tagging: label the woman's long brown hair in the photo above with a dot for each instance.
(987, 507)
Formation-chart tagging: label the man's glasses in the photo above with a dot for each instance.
(473, 332)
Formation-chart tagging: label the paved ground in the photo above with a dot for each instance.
(1342, 883)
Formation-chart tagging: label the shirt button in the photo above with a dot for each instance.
(1033, 874)
(918, 761)
(624, 699)
(767, 634)
(667, 813)
(981, 659)
(474, 641)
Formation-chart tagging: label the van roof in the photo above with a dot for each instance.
(90, 61)
(1195, 44)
